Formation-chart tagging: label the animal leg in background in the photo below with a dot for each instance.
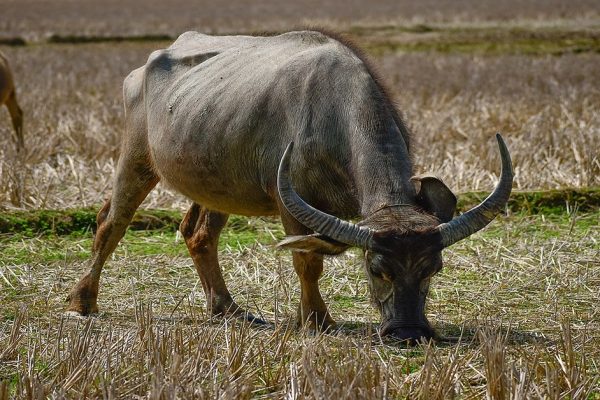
(16, 115)
(312, 310)
(201, 229)
(133, 181)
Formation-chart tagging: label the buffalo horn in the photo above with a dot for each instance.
(319, 221)
(478, 217)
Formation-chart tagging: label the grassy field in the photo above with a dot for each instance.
(545, 105)
(518, 303)
(522, 297)
(458, 77)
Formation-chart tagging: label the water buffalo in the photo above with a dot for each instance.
(8, 97)
(294, 125)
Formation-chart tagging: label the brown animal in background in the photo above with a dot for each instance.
(8, 97)
(256, 126)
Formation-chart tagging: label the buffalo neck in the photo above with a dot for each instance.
(383, 169)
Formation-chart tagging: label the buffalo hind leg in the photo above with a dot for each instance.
(201, 229)
(132, 184)
(312, 310)
(16, 116)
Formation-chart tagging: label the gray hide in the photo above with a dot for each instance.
(221, 111)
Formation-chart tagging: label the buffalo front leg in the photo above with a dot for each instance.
(16, 116)
(201, 229)
(312, 310)
(132, 185)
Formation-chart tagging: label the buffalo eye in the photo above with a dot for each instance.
(378, 267)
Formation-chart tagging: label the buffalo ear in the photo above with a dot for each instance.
(434, 196)
(313, 243)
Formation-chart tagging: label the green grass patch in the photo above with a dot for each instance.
(478, 40)
(12, 41)
(516, 46)
(344, 301)
(554, 226)
(381, 39)
(51, 246)
(40, 237)
(83, 39)
(79, 221)
(541, 202)
(242, 230)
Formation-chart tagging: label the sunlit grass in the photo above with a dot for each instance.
(523, 294)
(545, 106)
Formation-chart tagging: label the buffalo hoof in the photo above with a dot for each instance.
(255, 321)
(81, 308)
(317, 321)
(229, 309)
(82, 298)
(81, 305)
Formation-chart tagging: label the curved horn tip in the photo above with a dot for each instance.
(504, 153)
(284, 161)
(501, 143)
(478, 217)
(290, 146)
(287, 152)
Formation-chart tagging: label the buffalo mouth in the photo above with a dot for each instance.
(409, 333)
(405, 320)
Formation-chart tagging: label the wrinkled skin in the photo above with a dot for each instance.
(399, 276)
(399, 288)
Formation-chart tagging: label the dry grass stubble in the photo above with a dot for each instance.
(523, 296)
(546, 107)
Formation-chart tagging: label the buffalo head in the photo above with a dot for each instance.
(402, 242)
